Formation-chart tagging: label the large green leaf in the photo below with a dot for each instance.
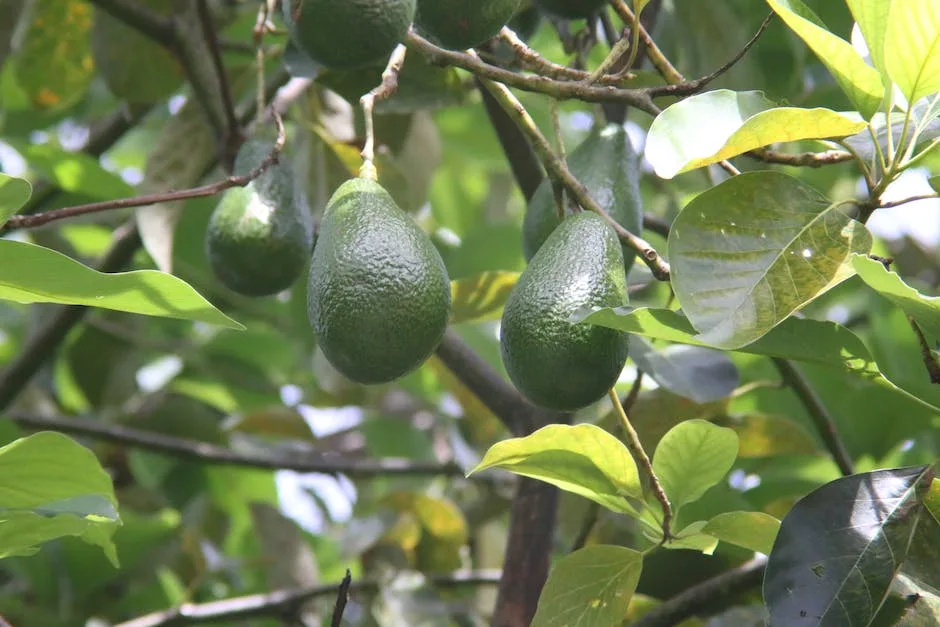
(839, 548)
(872, 19)
(54, 64)
(860, 82)
(752, 530)
(720, 124)
(583, 459)
(53, 487)
(14, 192)
(924, 309)
(591, 587)
(912, 46)
(34, 274)
(481, 297)
(692, 457)
(73, 171)
(700, 374)
(754, 249)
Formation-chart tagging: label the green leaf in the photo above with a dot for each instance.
(692, 457)
(924, 309)
(754, 249)
(482, 297)
(583, 459)
(912, 47)
(769, 436)
(73, 171)
(14, 192)
(737, 122)
(840, 547)
(33, 274)
(10, 11)
(591, 587)
(752, 530)
(690, 538)
(934, 182)
(872, 19)
(860, 82)
(54, 65)
(53, 487)
(700, 374)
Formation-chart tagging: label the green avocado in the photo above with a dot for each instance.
(462, 24)
(378, 294)
(608, 166)
(570, 9)
(526, 22)
(348, 34)
(259, 237)
(553, 362)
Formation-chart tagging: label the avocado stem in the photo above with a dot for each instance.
(639, 454)
(380, 92)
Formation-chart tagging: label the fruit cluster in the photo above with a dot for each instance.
(378, 292)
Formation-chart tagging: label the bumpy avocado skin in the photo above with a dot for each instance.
(259, 237)
(378, 294)
(462, 24)
(553, 362)
(608, 166)
(570, 9)
(348, 34)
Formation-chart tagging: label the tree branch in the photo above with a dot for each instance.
(904, 201)
(220, 455)
(931, 362)
(38, 219)
(802, 159)
(233, 136)
(687, 603)
(142, 19)
(342, 596)
(285, 602)
(796, 381)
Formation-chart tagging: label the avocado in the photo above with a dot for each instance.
(348, 34)
(259, 237)
(462, 24)
(526, 22)
(378, 295)
(570, 9)
(608, 166)
(134, 67)
(553, 362)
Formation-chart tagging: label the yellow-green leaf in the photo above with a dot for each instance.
(14, 192)
(692, 457)
(769, 436)
(912, 47)
(872, 19)
(480, 298)
(752, 530)
(720, 124)
(924, 309)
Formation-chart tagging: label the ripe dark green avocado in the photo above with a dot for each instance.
(608, 166)
(378, 294)
(259, 236)
(347, 34)
(553, 362)
(462, 24)
(570, 9)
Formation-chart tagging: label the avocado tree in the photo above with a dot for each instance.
(453, 312)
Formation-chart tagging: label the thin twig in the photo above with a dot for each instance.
(342, 596)
(636, 449)
(38, 219)
(233, 136)
(659, 60)
(796, 381)
(285, 602)
(559, 171)
(931, 361)
(382, 91)
(533, 61)
(689, 602)
(220, 455)
(802, 159)
(630, 399)
(904, 201)
(587, 526)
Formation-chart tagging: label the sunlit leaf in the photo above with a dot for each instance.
(54, 487)
(272, 422)
(690, 538)
(860, 82)
(720, 124)
(692, 457)
(14, 192)
(33, 274)
(694, 372)
(754, 249)
(924, 309)
(840, 547)
(54, 64)
(872, 19)
(752, 530)
(481, 297)
(934, 182)
(73, 171)
(912, 46)
(583, 459)
(768, 436)
(591, 587)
